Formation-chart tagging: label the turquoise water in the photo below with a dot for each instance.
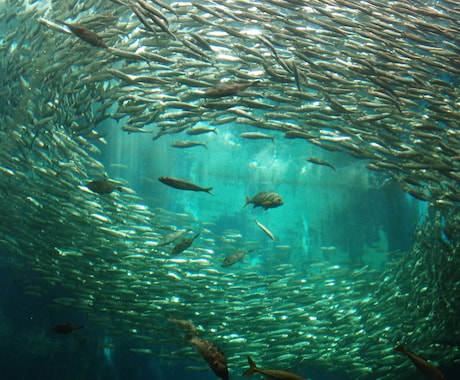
(358, 104)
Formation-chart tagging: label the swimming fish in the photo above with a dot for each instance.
(102, 186)
(265, 199)
(213, 355)
(169, 238)
(265, 229)
(429, 370)
(188, 144)
(256, 136)
(233, 258)
(318, 161)
(208, 350)
(181, 184)
(184, 244)
(66, 327)
(87, 35)
(272, 374)
(200, 130)
(226, 89)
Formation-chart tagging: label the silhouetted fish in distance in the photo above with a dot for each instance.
(66, 328)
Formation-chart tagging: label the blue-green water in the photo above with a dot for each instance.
(358, 103)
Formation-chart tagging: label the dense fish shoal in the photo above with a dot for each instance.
(378, 82)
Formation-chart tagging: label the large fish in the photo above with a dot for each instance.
(181, 184)
(102, 186)
(87, 35)
(169, 238)
(208, 350)
(272, 374)
(184, 244)
(233, 258)
(265, 199)
(429, 370)
(212, 354)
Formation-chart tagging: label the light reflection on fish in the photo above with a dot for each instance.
(265, 229)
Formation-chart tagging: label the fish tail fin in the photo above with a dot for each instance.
(208, 190)
(248, 200)
(252, 367)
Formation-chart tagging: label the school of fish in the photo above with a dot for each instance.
(377, 80)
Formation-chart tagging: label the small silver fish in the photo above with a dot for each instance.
(188, 144)
(265, 229)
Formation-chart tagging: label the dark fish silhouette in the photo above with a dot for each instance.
(318, 161)
(87, 35)
(272, 374)
(233, 258)
(66, 327)
(429, 370)
(181, 184)
(102, 186)
(208, 350)
(184, 244)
